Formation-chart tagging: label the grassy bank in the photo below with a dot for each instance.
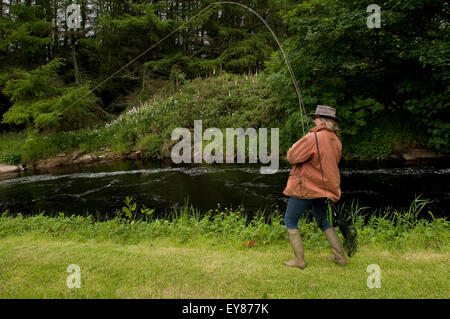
(222, 101)
(34, 266)
(188, 256)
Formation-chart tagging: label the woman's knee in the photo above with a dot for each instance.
(290, 222)
(294, 210)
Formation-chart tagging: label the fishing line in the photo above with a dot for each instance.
(294, 80)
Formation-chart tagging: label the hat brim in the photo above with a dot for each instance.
(326, 116)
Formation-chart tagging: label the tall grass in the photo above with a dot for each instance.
(397, 229)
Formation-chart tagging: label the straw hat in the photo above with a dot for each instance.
(325, 111)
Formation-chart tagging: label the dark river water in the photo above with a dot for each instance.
(102, 188)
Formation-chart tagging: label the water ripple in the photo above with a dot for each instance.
(196, 171)
(49, 177)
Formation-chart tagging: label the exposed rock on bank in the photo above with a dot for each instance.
(420, 154)
(104, 154)
(82, 158)
(4, 169)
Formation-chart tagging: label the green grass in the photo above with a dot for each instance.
(191, 256)
(35, 267)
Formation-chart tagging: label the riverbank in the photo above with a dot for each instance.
(221, 255)
(74, 158)
(225, 257)
(227, 101)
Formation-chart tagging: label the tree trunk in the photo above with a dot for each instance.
(143, 79)
(55, 38)
(75, 62)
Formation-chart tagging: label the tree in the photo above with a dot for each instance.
(40, 104)
(398, 70)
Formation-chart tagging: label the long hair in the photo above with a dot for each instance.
(330, 125)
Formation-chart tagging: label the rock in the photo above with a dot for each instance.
(76, 155)
(9, 168)
(134, 155)
(86, 159)
(420, 154)
(50, 162)
(103, 157)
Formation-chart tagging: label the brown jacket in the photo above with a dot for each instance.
(305, 179)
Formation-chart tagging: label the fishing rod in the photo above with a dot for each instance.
(291, 72)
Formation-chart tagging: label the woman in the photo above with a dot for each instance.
(306, 188)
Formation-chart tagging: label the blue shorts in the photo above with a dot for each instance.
(297, 206)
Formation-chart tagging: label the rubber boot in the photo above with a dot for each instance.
(297, 247)
(336, 247)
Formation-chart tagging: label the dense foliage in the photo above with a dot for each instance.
(40, 104)
(400, 70)
(390, 85)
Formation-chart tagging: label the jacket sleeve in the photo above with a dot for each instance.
(302, 150)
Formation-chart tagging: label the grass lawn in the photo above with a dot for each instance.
(34, 266)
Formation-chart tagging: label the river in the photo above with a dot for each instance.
(101, 189)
